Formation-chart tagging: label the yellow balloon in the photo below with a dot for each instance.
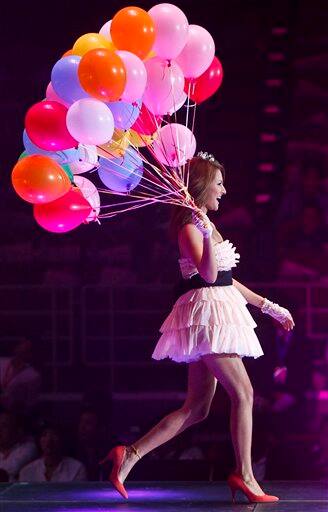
(140, 141)
(117, 146)
(150, 55)
(89, 42)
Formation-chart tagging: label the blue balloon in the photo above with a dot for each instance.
(121, 174)
(125, 114)
(64, 156)
(65, 79)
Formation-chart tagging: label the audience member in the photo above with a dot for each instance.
(16, 449)
(53, 465)
(20, 382)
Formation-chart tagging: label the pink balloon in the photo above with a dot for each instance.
(171, 27)
(105, 30)
(136, 76)
(179, 103)
(45, 124)
(175, 145)
(164, 85)
(198, 52)
(63, 214)
(52, 96)
(91, 194)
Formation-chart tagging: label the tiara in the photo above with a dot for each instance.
(206, 156)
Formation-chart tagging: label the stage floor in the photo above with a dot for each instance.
(296, 496)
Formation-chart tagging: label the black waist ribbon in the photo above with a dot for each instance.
(224, 278)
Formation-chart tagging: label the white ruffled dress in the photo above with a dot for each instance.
(208, 320)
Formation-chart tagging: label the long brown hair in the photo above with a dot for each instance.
(201, 174)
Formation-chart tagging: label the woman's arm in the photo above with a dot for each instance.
(251, 297)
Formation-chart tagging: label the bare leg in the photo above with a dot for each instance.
(231, 372)
(201, 389)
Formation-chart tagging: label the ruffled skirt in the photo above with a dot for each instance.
(213, 320)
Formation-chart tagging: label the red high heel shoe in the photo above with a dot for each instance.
(116, 456)
(236, 483)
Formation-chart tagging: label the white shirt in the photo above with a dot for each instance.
(68, 470)
(20, 455)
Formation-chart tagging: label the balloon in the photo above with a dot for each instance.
(175, 145)
(68, 171)
(201, 88)
(89, 42)
(171, 26)
(66, 54)
(91, 194)
(132, 29)
(136, 76)
(63, 214)
(62, 157)
(23, 155)
(146, 123)
(39, 179)
(179, 103)
(45, 124)
(164, 85)
(105, 30)
(65, 80)
(150, 55)
(90, 121)
(52, 96)
(102, 74)
(198, 52)
(121, 174)
(87, 159)
(116, 147)
(139, 140)
(125, 114)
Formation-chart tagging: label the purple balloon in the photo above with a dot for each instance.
(65, 80)
(125, 114)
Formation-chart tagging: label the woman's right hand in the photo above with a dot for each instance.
(202, 222)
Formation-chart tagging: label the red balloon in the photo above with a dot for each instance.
(45, 123)
(63, 214)
(147, 123)
(205, 85)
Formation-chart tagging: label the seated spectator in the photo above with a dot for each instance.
(92, 443)
(16, 449)
(52, 466)
(20, 382)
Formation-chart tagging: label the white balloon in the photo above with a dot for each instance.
(91, 194)
(90, 121)
(105, 30)
(88, 159)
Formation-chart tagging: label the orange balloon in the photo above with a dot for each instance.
(132, 29)
(102, 74)
(39, 179)
(89, 42)
(66, 54)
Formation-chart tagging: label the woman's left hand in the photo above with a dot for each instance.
(279, 313)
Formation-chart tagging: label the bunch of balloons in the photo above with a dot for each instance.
(109, 96)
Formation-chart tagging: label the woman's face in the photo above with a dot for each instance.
(215, 191)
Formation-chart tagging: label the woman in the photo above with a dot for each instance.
(209, 328)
